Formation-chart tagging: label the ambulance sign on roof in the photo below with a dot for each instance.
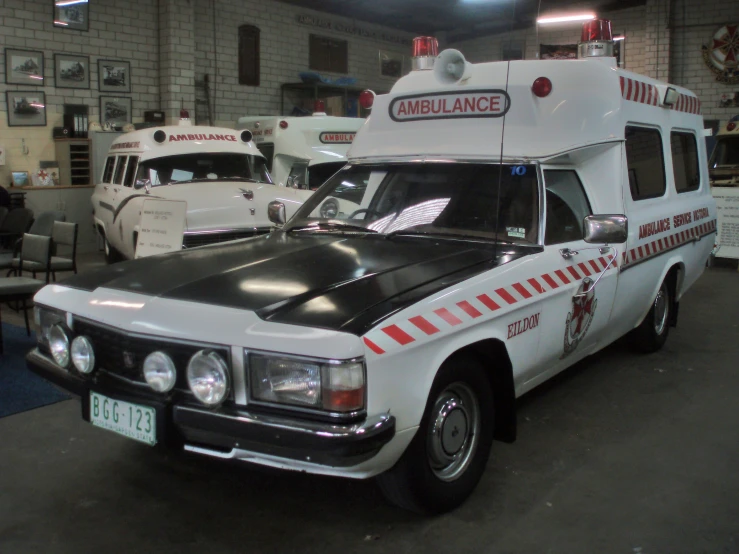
(450, 105)
(336, 138)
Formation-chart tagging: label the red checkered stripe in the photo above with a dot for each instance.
(645, 93)
(658, 246)
(486, 305)
(637, 91)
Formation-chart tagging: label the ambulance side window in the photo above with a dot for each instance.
(268, 151)
(130, 171)
(108, 171)
(120, 166)
(646, 163)
(685, 161)
(567, 206)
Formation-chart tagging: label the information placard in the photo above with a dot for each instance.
(162, 227)
(727, 205)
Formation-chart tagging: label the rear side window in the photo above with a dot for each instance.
(685, 161)
(120, 166)
(645, 162)
(130, 171)
(567, 206)
(108, 171)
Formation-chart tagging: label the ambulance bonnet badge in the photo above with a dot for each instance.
(579, 319)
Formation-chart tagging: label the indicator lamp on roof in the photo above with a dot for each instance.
(730, 126)
(160, 136)
(246, 136)
(542, 87)
(425, 50)
(366, 99)
(596, 40)
(283, 124)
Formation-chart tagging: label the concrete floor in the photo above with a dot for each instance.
(623, 453)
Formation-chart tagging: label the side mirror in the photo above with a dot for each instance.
(290, 181)
(605, 229)
(276, 212)
(142, 184)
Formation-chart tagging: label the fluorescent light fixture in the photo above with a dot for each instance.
(69, 3)
(566, 18)
(619, 38)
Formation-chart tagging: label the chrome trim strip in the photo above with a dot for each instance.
(324, 430)
(217, 231)
(238, 376)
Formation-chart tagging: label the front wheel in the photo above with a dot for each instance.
(652, 333)
(111, 254)
(445, 460)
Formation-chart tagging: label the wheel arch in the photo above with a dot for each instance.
(494, 356)
(674, 273)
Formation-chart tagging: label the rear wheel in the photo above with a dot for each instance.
(651, 335)
(445, 460)
(111, 254)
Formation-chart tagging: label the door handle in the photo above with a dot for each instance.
(567, 253)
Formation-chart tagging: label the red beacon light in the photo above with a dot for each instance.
(366, 99)
(596, 40)
(425, 50)
(319, 107)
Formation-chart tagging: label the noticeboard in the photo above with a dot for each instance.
(162, 227)
(727, 207)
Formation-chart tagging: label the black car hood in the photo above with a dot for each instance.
(340, 282)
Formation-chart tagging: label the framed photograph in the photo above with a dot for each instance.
(26, 108)
(20, 178)
(114, 76)
(72, 14)
(558, 51)
(71, 71)
(24, 67)
(391, 64)
(115, 112)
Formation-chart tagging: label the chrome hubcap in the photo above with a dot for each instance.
(453, 433)
(660, 310)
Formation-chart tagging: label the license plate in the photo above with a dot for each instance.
(127, 419)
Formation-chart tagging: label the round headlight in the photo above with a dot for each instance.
(83, 356)
(330, 208)
(207, 375)
(160, 372)
(59, 345)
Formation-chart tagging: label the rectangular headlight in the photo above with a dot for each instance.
(322, 385)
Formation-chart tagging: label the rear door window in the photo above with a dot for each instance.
(685, 161)
(646, 163)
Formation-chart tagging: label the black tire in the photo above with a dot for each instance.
(111, 254)
(419, 481)
(652, 333)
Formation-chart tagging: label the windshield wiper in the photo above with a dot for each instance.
(399, 232)
(331, 226)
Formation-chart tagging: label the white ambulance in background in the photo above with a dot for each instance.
(511, 219)
(217, 171)
(724, 165)
(302, 152)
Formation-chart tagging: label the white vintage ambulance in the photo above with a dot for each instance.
(218, 172)
(723, 167)
(302, 152)
(511, 219)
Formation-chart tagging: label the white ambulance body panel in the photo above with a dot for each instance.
(220, 206)
(724, 163)
(310, 149)
(448, 298)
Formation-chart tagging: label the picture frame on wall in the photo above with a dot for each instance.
(115, 111)
(558, 51)
(20, 179)
(71, 71)
(391, 64)
(114, 76)
(72, 14)
(26, 108)
(24, 67)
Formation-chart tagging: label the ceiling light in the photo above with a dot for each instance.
(565, 18)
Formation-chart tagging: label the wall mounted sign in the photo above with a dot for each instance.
(350, 29)
(722, 54)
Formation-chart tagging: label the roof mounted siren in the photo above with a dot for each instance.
(596, 40)
(319, 107)
(451, 67)
(425, 50)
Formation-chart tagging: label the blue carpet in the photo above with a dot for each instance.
(21, 390)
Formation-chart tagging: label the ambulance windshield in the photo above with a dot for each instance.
(455, 200)
(203, 167)
(726, 152)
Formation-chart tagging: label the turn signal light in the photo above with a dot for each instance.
(425, 46)
(542, 87)
(597, 29)
(730, 126)
(366, 99)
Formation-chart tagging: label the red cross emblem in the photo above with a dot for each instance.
(582, 307)
(43, 174)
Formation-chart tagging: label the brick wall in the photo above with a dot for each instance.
(118, 30)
